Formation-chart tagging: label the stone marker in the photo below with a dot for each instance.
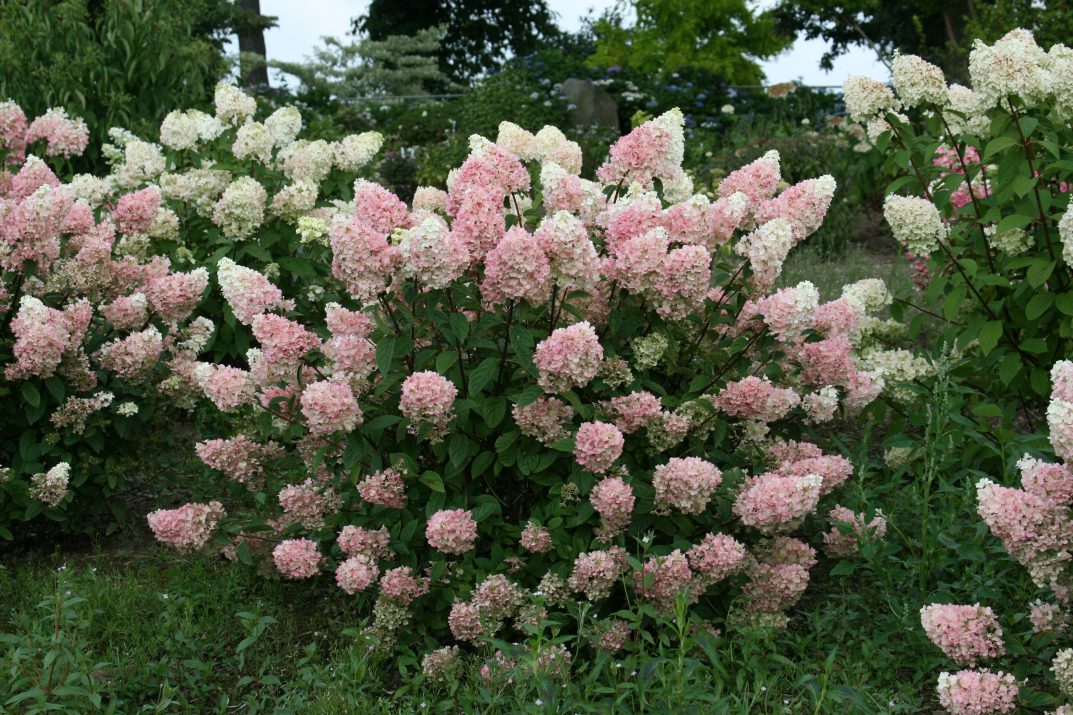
(592, 104)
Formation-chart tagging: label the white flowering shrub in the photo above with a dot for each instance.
(982, 201)
(510, 388)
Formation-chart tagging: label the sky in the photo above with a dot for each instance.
(303, 22)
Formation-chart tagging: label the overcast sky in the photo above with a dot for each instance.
(303, 22)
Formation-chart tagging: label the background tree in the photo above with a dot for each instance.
(251, 41)
(115, 63)
(397, 65)
(723, 37)
(940, 31)
(478, 36)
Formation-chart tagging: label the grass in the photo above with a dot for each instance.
(151, 631)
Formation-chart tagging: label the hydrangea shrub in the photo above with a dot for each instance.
(1035, 525)
(515, 386)
(982, 203)
(95, 340)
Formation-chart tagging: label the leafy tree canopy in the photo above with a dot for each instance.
(479, 35)
(941, 31)
(724, 37)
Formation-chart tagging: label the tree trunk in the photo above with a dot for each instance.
(252, 40)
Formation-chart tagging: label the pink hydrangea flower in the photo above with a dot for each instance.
(595, 572)
(127, 312)
(283, 342)
(516, 269)
(187, 528)
(308, 503)
(359, 541)
(330, 406)
(428, 399)
(41, 336)
(663, 579)
(536, 539)
(378, 207)
(714, 558)
(758, 181)
(755, 398)
(228, 387)
(134, 212)
(175, 295)
(401, 586)
(773, 504)
(653, 150)
(613, 500)
(385, 488)
(240, 458)
(363, 259)
(974, 692)
(452, 531)
(63, 135)
(464, 621)
(568, 358)
(247, 292)
(844, 545)
(1048, 481)
(543, 419)
(357, 573)
(297, 558)
(597, 446)
(634, 411)
(686, 484)
(804, 205)
(833, 469)
(966, 634)
(134, 355)
(341, 321)
(778, 574)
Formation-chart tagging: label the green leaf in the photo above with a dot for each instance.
(843, 568)
(1064, 303)
(1040, 304)
(1039, 272)
(505, 440)
(481, 376)
(385, 353)
(458, 449)
(459, 326)
(999, 144)
(432, 480)
(954, 302)
(990, 335)
(1009, 367)
(56, 388)
(30, 394)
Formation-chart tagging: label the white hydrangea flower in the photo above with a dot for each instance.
(142, 163)
(356, 150)
(253, 140)
(88, 188)
(915, 223)
(868, 295)
(1065, 234)
(233, 106)
(516, 140)
(284, 125)
(973, 108)
(1012, 242)
(867, 98)
(312, 229)
(1014, 65)
(127, 409)
(309, 160)
(241, 209)
(295, 199)
(917, 81)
